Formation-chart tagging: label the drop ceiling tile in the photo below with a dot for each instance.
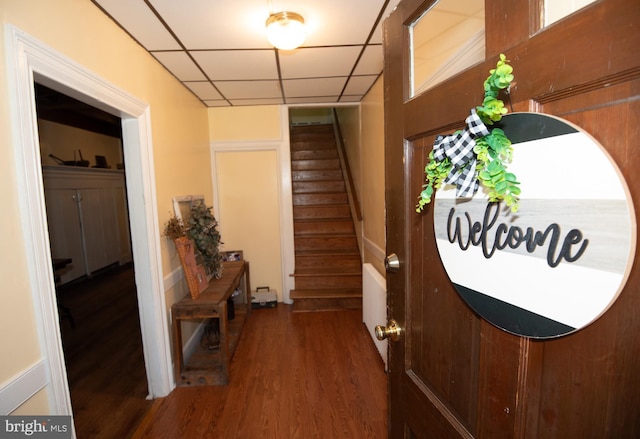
(249, 89)
(204, 90)
(351, 98)
(337, 22)
(141, 23)
(180, 65)
(223, 36)
(198, 24)
(241, 102)
(313, 100)
(237, 64)
(371, 61)
(318, 62)
(217, 103)
(359, 85)
(316, 87)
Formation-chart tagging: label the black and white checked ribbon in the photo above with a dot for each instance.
(458, 148)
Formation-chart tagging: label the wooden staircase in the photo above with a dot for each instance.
(328, 273)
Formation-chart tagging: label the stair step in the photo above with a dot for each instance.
(320, 198)
(320, 128)
(327, 252)
(326, 282)
(313, 154)
(327, 260)
(326, 130)
(322, 211)
(301, 165)
(334, 266)
(317, 175)
(326, 300)
(316, 227)
(329, 293)
(303, 134)
(325, 271)
(311, 144)
(335, 243)
(312, 128)
(308, 187)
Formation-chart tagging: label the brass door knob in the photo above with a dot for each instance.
(391, 331)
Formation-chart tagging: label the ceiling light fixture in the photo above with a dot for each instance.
(285, 30)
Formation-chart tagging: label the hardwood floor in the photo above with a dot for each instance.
(294, 375)
(103, 354)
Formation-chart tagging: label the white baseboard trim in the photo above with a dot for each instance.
(22, 387)
(171, 279)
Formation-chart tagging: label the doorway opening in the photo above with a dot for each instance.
(87, 218)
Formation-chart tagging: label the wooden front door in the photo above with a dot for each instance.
(453, 374)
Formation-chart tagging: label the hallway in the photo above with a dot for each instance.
(294, 375)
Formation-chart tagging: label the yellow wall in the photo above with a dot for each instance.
(310, 115)
(250, 212)
(179, 131)
(247, 182)
(244, 123)
(373, 182)
(349, 118)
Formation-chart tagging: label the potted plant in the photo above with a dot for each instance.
(202, 228)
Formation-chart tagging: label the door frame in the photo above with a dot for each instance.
(496, 403)
(29, 60)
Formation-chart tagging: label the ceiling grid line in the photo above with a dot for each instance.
(175, 37)
(219, 51)
(373, 29)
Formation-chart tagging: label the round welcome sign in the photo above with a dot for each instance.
(557, 264)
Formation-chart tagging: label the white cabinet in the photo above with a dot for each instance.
(64, 230)
(87, 217)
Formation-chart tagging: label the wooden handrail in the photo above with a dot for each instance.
(342, 152)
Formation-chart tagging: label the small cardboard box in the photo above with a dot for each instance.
(264, 297)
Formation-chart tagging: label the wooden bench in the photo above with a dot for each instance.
(211, 366)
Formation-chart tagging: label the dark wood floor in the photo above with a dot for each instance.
(103, 354)
(294, 375)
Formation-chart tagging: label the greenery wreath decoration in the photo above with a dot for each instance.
(202, 228)
(488, 151)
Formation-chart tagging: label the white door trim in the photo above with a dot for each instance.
(28, 60)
